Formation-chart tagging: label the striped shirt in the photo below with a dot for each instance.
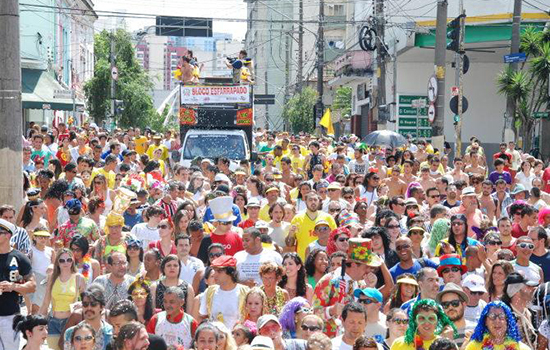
(21, 241)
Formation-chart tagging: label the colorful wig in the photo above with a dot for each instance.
(512, 331)
(331, 244)
(442, 320)
(411, 185)
(288, 314)
(542, 213)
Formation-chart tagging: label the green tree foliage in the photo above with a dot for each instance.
(342, 100)
(528, 86)
(299, 111)
(133, 85)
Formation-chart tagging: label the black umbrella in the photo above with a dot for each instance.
(385, 138)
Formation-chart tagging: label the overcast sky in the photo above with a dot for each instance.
(183, 8)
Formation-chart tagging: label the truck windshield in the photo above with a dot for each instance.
(213, 146)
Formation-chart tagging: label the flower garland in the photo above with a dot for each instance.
(509, 344)
(85, 266)
(418, 343)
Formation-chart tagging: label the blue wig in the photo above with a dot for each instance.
(288, 313)
(512, 331)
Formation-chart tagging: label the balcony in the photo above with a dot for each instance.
(352, 65)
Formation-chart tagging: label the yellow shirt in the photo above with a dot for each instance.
(306, 227)
(474, 345)
(141, 144)
(297, 163)
(110, 176)
(399, 344)
(264, 213)
(152, 149)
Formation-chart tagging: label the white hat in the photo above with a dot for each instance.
(468, 191)
(222, 177)
(253, 202)
(261, 224)
(474, 283)
(222, 208)
(265, 319)
(261, 342)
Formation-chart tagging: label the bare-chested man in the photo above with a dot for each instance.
(474, 167)
(434, 168)
(487, 203)
(457, 172)
(407, 175)
(397, 187)
(421, 155)
(426, 181)
(288, 177)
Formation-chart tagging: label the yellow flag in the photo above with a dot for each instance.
(326, 121)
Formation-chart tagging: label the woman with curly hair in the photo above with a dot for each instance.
(316, 266)
(294, 278)
(276, 297)
(254, 307)
(427, 321)
(496, 330)
(292, 315)
(140, 294)
(405, 289)
(497, 277)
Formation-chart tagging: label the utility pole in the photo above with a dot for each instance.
(11, 156)
(514, 48)
(320, 63)
(438, 137)
(459, 56)
(299, 71)
(380, 54)
(287, 75)
(266, 90)
(113, 82)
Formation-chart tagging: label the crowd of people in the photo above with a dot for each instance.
(320, 244)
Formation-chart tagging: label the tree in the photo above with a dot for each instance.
(528, 86)
(342, 100)
(299, 111)
(133, 85)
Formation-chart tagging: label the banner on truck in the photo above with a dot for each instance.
(196, 95)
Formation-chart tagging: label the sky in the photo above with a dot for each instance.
(183, 8)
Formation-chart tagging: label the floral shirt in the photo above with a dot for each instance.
(85, 226)
(327, 293)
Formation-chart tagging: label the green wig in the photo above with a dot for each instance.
(442, 320)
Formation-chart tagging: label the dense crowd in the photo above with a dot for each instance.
(320, 244)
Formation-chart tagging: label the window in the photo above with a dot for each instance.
(335, 10)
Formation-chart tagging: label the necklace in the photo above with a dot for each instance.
(508, 344)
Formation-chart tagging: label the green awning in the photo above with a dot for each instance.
(40, 90)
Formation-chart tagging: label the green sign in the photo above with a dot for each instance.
(411, 122)
(538, 115)
(413, 111)
(407, 99)
(424, 133)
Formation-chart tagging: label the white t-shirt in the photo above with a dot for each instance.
(278, 234)
(145, 234)
(248, 265)
(377, 329)
(188, 271)
(526, 181)
(531, 272)
(41, 259)
(225, 306)
(359, 168)
(339, 344)
(473, 313)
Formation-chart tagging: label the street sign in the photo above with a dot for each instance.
(267, 99)
(454, 104)
(539, 115)
(114, 73)
(413, 111)
(419, 103)
(422, 133)
(432, 88)
(407, 99)
(67, 94)
(454, 91)
(431, 113)
(515, 57)
(413, 120)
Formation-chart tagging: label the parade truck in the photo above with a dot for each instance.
(216, 120)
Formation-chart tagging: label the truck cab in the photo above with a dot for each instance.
(216, 120)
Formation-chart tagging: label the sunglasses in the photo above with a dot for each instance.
(164, 226)
(450, 269)
(366, 301)
(477, 293)
(393, 226)
(453, 303)
(343, 239)
(402, 321)
(310, 328)
(526, 246)
(85, 338)
(90, 303)
(214, 255)
(497, 316)
(334, 210)
(323, 229)
(68, 260)
(494, 243)
(402, 247)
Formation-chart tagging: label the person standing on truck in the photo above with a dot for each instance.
(236, 65)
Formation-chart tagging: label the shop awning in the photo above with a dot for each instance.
(42, 91)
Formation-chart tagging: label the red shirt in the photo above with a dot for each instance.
(246, 224)
(546, 180)
(156, 244)
(517, 231)
(231, 242)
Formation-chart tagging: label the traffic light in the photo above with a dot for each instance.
(454, 34)
(119, 107)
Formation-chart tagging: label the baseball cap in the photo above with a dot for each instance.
(264, 319)
(474, 283)
(221, 177)
(261, 342)
(517, 278)
(372, 293)
(322, 222)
